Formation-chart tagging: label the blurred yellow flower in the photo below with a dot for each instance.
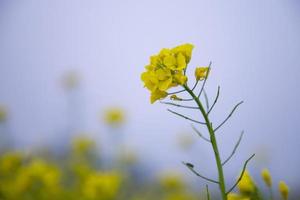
(114, 116)
(3, 113)
(36, 175)
(283, 189)
(180, 196)
(234, 196)
(171, 180)
(201, 73)
(10, 161)
(82, 145)
(246, 184)
(103, 185)
(166, 70)
(266, 176)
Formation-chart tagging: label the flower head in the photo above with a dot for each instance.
(114, 116)
(171, 181)
(201, 73)
(81, 145)
(101, 184)
(166, 70)
(266, 176)
(284, 190)
(246, 184)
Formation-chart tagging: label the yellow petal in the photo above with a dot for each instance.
(157, 94)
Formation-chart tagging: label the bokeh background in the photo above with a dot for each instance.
(103, 46)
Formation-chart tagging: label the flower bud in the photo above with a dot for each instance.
(201, 73)
(284, 190)
(266, 176)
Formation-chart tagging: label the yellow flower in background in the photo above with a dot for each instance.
(266, 176)
(234, 196)
(82, 145)
(201, 73)
(10, 162)
(246, 184)
(103, 185)
(36, 175)
(171, 181)
(3, 113)
(114, 116)
(283, 189)
(166, 70)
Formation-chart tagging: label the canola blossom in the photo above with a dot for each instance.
(114, 116)
(266, 176)
(283, 189)
(166, 70)
(246, 184)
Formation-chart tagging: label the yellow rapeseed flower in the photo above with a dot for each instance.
(266, 176)
(246, 184)
(82, 145)
(114, 116)
(284, 190)
(9, 162)
(171, 181)
(157, 95)
(103, 185)
(234, 196)
(166, 70)
(201, 73)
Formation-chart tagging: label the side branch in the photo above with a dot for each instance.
(230, 114)
(204, 80)
(242, 174)
(200, 135)
(178, 105)
(195, 85)
(215, 101)
(176, 92)
(185, 117)
(206, 100)
(234, 149)
(191, 167)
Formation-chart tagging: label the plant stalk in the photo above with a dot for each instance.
(213, 142)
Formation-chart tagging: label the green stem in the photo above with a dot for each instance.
(213, 142)
(271, 193)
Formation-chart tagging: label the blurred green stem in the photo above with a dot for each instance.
(213, 142)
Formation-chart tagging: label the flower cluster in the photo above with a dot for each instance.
(248, 189)
(166, 70)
